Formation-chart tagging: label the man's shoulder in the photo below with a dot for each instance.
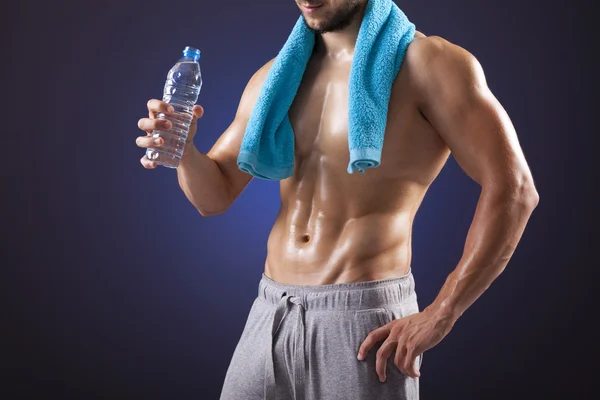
(428, 51)
(260, 75)
(432, 60)
(256, 81)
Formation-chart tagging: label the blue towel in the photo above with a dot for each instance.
(267, 149)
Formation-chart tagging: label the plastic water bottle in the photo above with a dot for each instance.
(181, 91)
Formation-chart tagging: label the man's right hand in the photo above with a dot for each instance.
(151, 123)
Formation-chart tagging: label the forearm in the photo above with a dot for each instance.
(497, 227)
(203, 183)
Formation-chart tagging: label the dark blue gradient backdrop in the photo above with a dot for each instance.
(116, 287)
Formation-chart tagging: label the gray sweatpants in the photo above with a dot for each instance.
(301, 342)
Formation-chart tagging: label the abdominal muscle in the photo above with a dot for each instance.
(326, 237)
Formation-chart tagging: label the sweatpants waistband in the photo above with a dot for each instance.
(341, 296)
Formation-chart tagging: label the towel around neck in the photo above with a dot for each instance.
(267, 149)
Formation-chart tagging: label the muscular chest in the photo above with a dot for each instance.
(319, 117)
(319, 113)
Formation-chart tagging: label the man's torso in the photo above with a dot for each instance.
(336, 227)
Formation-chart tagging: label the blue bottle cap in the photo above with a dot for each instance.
(192, 53)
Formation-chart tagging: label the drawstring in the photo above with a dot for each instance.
(281, 311)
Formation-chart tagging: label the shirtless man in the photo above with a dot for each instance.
(336, 314)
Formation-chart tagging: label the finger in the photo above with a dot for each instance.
(400, 356)
(148, 125)
(384, 352)
(149, 142)
(158, 106)
(410, 363)
(375, 336)
(197, 112)
(147, 163)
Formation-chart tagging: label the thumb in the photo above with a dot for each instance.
(198, 111)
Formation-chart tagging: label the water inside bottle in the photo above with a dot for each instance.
(181, 90)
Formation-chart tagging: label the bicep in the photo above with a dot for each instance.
(226, 149)
(225, 153)
(474, 125)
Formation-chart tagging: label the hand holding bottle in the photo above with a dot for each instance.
(151, 124)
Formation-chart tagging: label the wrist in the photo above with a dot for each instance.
(444, 311)
(188, 149)
(188, 145)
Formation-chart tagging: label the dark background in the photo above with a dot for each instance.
(115, 287)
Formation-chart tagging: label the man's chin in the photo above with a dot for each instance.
(312, 24)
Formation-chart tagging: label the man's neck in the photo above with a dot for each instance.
(339, 45)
